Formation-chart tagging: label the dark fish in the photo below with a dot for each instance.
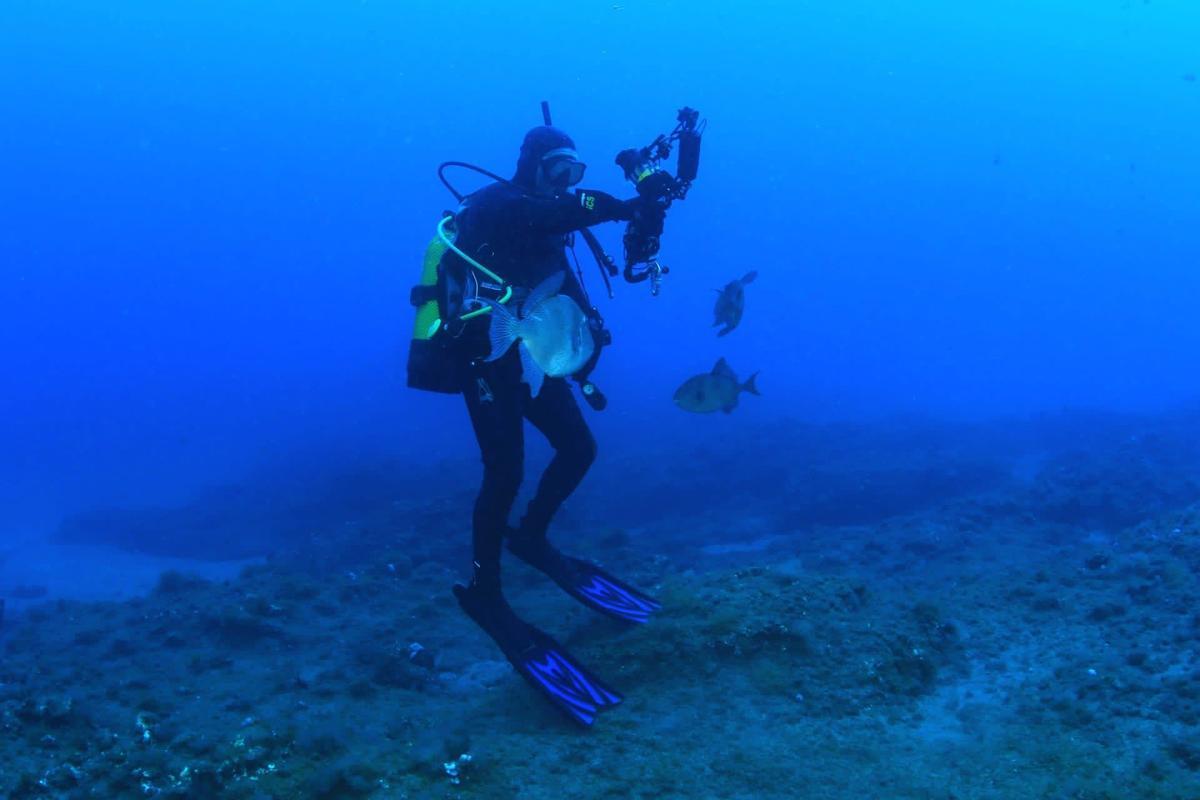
(731, 302)
(713, 391)
(1190, 77)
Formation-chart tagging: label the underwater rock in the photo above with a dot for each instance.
(908, 672)
(234, 626)
(421, 656)
(399, 673)
(175, 582)
(52, 712)
(1106, 611)
(398, 565)
(799, 637)
(812, 649)
(342, 779)
(614, 539)
(1186, 752)
(1046, 603)
(476, 678)
(265, 514)
(1111, 486)
(63, 777)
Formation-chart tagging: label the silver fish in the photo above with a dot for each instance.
(550, 330)
(731, 302)
(713, 391)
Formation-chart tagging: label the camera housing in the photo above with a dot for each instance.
(658, 189)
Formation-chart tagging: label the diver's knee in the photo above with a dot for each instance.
(582, 452)
(502, 478)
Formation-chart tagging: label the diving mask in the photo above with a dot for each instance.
(562, 167)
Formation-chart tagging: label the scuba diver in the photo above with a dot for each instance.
(501, 320)
(519, 229)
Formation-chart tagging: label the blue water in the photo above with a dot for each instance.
(212, 213)
(975, 232)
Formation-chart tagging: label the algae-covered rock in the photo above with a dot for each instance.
(234, 626)
(1116, 486)
(173, 582)
(51, 711)
(830, 641)
(346, 778)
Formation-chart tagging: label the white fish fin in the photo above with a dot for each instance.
(543, 292)
(723, 368)
(504, 330)
(531, 373)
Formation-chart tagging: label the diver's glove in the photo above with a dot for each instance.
(603, 207)
(648, 215)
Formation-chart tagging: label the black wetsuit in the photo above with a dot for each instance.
(521, 237)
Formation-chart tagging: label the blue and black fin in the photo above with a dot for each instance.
(586, 582)
(539, 659)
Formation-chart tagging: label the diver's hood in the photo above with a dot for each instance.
(538, 142)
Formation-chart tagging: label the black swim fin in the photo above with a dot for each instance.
(586, 582)
(539, 659)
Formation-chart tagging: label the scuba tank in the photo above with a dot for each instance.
(440, 300)
(431, 367)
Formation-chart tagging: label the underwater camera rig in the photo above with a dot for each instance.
(659, 189)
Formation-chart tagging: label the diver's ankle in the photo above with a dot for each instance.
(485, 583)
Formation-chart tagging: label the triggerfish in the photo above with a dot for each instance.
(554, 335)
(731, 302)
(713, 391)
